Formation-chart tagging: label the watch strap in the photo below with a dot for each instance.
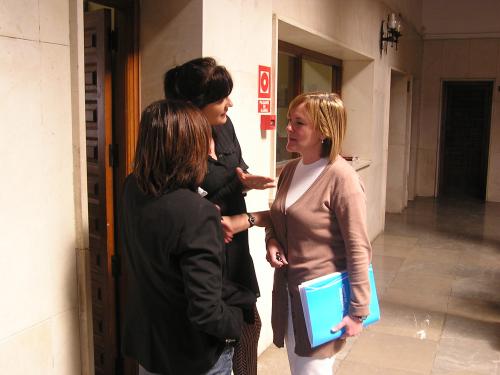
(251, 219)
(359, 318)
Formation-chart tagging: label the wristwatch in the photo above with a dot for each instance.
(359, 318)
(251, 219)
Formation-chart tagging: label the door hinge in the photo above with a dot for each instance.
(113, 155)
(116, 267)
(113, 40)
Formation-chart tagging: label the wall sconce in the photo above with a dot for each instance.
(391, 33)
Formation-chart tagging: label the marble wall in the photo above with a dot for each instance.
(399, 147)
(463, 18)
(171, 34)
(39, 330)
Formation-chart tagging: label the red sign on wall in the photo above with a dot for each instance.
(264, 105)
(267, 122)
(264, 81)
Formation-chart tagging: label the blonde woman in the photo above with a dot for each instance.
(319, 227)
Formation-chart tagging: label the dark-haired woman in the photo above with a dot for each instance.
(208, 85)
(180, 315)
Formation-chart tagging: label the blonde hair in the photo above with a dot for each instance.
(327, 112)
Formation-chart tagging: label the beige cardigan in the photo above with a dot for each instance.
(324, 231)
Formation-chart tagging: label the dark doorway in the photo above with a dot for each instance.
(465, 136)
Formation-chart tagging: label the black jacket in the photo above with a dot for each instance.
(176, 321)
(225, 189)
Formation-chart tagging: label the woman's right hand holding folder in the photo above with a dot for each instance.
(353, 327)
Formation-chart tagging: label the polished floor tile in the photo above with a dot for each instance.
(485, 287)
(383, 280)
(446, 256)
(396, 240)
(404, 318)
(437, 271)
(273, 361)
(422, 282)
(353, 368)
(467, 355)
(472, 328)
(390, 250)
(485, 311)
(394, 352)
(386, 263)
(428, 266)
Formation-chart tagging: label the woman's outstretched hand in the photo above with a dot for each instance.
(275, 254)
(251, 181)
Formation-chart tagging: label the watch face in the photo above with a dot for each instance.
(359, 318)
(251, 219)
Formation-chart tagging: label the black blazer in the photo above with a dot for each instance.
(225, 189)
(176, 321)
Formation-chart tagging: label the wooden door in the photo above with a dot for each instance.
(98, 116)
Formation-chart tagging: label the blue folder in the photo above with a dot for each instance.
(325, 301)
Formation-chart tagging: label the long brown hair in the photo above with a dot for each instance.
(172, 147)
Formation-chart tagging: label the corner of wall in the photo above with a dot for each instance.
(76, 20)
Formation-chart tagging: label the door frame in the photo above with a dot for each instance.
(404, 82)
(127, 112)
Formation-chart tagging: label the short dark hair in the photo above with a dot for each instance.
(172, 147)
(200, 81)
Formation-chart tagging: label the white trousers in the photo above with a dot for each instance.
(304, 365)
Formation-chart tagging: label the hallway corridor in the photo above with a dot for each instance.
(437, 267)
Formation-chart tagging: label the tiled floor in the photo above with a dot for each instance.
(437, 268)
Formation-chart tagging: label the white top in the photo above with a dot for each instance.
(303, 178)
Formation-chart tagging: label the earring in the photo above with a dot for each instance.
(322, 141)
